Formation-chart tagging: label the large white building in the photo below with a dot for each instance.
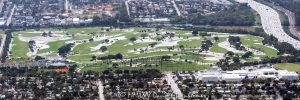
(215, 74)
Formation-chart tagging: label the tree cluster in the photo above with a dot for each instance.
(237, 15)
(64, 50)
(109, 57)
(236, 42)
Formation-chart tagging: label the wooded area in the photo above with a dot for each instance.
(237, 15)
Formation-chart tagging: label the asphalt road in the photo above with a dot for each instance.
(292, 21)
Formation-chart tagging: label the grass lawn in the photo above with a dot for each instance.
(84, 48)
(81, 58)
(192, 43)
(216, 48)
(159, 53)
(254, 42)
(54, 46)
(19, 48)
(86, 30)
(288, 66)
(191, 57)
(123, 47)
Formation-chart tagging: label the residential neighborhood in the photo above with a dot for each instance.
(149, 50)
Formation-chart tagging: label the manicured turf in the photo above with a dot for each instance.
(82, 53)
(84, 48)
(81, 58)
(19, 48)
(216, 48)
(54, 46)
(288, 66)
(191, 44)
(255, 42)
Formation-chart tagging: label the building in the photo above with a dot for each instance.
(215, 74)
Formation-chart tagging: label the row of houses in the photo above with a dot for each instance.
(202, 7)
(151, 9)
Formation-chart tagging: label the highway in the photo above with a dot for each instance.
(292, 21)
(271, 22)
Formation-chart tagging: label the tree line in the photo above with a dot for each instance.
(237, 15)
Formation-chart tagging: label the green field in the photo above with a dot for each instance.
(119, 42)
(254, 42)
(216, 48)
(288, 66)
(19, 48)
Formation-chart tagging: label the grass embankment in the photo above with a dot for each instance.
(288, 66)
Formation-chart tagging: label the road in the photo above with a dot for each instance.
(292, 21)
(8, 21)
(176, 8)
(271, 22)
(127, 7)
(1, 5)
(100, 91)
(66, 6)
(174, 87)
(2, 44)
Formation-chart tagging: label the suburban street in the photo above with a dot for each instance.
(66, 5)
(100, 87)
(127, 7)
(2, 43)
(177, 9)
(1, 5)
(271, 22)
(10, 16)
(174, 86)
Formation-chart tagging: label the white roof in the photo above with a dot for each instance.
(230, 76)
(286, 73)
(75, 19)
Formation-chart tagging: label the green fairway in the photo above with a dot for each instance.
(81, 58)
(19, 48)
(288, 66)
(255, 42)
(84, 48)
(54, 46)
(216, 48)
(191, 44)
